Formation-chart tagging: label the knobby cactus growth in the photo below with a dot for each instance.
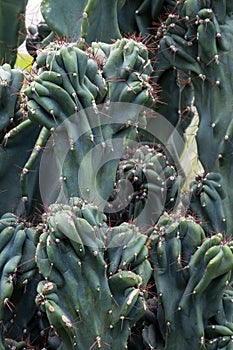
(102, 266)
(104, 243)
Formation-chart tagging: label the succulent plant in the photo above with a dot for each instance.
(102, 266)
(106, 240)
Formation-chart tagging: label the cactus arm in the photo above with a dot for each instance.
(139, 17)
(207, 201)
(155, 187)
(210, 65)
(70, 16)
(11, 81)
(126, 17)
(88, 19)
(11, 36)
(98, 14)
(203, 48)
(12, 166)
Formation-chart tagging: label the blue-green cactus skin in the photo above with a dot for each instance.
(78, 280)
(139, 17)
(206, 203)
(12, 198)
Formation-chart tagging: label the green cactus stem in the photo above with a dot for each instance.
(140, 17)
(87, 20)
(13, 197)
(12, 29)
(207, 203)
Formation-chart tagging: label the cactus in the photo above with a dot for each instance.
(195, 42)
(37, 36)
(95, 111)
(100, 277)
(17, 284)
(197, 269)
(13, 196)
(15, 127)
(223, 321)
(56, 96)
(155, 187)
(11, 81)
(86, 20)
(12, 30)
(66, 79)
(206, 203)
(141, 17)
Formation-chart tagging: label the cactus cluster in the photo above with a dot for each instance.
(102, 266)
(105, 243)
(147, 184)
(17, 284)
(184, 258)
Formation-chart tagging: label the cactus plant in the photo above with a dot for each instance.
(101, 277)
(11, 83)
(86, 20)
(111, 96)
(14, 198)
(155, 187)
(37, 36)
(56, 96)
(12, 32)
(17, 278)
(206, 66)
(198, 269)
